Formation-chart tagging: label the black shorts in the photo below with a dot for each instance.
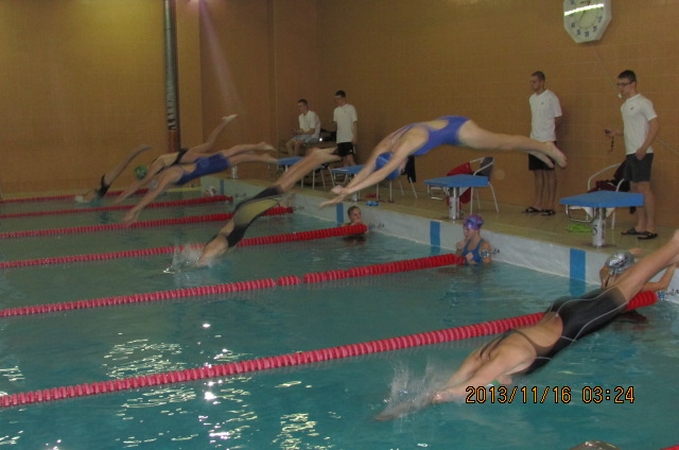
(345, 149)
(638, 171)
(534, 163)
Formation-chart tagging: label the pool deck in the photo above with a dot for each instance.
(553, 244)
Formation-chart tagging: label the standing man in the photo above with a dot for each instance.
(640, 130)
(546, 116)
(346, 120)
(308, 132)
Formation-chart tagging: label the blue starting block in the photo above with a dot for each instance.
(599, 201)
(451, 186)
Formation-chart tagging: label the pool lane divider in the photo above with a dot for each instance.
(62, 197)
(165, 204)
(238, 286)
(144, 224)
(287, 360)
(262, 240)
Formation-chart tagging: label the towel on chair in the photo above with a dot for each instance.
(463, 169)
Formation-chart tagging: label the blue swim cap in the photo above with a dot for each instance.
(474, 222)
(140, 172)
(382, 160)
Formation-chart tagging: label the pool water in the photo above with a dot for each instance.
(319, 406)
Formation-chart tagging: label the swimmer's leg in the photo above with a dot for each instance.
(109, 177)
(299, 170)
(473, 136)
(208, 145)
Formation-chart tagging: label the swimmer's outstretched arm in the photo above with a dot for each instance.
(217, 246)
(154, 169)
(165, 179)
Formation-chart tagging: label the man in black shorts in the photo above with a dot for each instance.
(346, 121)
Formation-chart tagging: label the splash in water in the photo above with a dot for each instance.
(184, 258)
(410, 393)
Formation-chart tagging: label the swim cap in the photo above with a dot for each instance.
(140, 172)
(474, 222)
(619, 262)
(382, 160)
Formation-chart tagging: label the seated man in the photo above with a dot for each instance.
(308, 132)
(199, 166)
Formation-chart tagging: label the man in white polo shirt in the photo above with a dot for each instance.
(308, 132)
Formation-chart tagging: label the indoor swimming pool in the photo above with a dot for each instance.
(328, 405)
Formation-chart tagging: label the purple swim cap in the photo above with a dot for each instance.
(382, 160)
(474, 222)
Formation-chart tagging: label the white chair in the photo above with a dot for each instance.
(480, 167)
(614, 184)
(484, 168)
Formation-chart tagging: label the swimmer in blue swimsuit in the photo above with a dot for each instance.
(473, 248)
(109, 177)
(567, 320)
(249, 210)
(389, 157)
(199, 167)
(183, 156)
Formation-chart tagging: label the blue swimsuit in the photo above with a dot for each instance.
(476, 252)
(205, 166)
(446, 135)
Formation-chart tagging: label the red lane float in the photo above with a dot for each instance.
(435, 261)
(145, 224)
(165, 204)
(263, 240)
(287, 360)
(62, 197)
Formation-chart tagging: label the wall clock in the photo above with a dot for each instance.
(586, 20)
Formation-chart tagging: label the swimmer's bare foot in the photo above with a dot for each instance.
(556, 154)
(227, 119)
(269, 159)
(324, 154)
(265, 147)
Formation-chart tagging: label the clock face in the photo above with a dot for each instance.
(586, 20)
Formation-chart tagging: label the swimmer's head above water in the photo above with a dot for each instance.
(619, 262)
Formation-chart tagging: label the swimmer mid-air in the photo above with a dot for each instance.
(389, 157)
(525, 349)
(201, 166)
(109, 177)
(248, 210)
(183, 156)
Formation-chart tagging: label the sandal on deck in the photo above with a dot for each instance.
(632, 232)
(531, 210)
(548, 212)
(646, 235)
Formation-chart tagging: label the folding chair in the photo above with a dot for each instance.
(616, 184)
(479, 167)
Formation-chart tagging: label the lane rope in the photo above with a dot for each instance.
(266, 283)
(165, 204)
(63, 197)
(263, 240)
(287, 360)
(144, 224)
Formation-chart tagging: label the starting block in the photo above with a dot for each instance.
(452, 184)
(599, 201)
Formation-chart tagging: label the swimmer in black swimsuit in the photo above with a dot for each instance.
(249, 210)
(183, 156)
(389, 157)
(201, 166)
(109, 177)
(525, 349)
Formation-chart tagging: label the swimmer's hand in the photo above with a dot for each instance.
(333, 201)
(131, 216)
